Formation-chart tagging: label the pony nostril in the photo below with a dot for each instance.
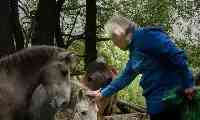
(65, 104)
(84, 113)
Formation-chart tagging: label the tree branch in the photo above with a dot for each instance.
(24, 7)
(58, 33)
(127, 106)
(74, 8)
(74, 24)
(81, 36)
(103, 39)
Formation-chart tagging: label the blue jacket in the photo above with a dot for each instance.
(163, 66)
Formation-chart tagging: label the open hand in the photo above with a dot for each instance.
(96, 93)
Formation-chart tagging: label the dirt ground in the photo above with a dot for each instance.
(130, 116)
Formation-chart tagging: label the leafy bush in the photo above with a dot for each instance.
(190, 109)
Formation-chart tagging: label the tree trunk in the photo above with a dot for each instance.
(17, 30)
(46, 23)
(6, 42)
(58, 34)
(90, 32)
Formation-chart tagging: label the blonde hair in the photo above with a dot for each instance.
(120, 21)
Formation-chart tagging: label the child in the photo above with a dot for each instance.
(98, 76)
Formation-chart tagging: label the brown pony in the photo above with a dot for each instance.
(22, 72)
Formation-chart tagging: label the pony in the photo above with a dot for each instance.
(80, 107)
(22, 72)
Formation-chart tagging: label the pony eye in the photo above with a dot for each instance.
(64, 73)
(84, 113)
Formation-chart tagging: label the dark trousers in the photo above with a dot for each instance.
(167, 115)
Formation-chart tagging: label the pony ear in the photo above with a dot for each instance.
(68, 57)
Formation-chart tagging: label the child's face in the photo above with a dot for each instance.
(119, 38)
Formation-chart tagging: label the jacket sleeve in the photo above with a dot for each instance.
(158, 45)
(122, 80)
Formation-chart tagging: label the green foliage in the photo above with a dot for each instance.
(78, 47)
(133, 93)
(193, 55)
(190, 109)
(143, 12)
(113, 55)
